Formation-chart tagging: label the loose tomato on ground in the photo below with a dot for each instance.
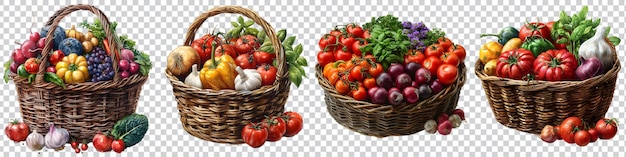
(555, 65)
(369, 83)
(582, 137)
(276, 128)
(102, 142)
(375, 70)
(515, 64)
(343, 54)
(450, 58)
(535, 28)
(325, 57)
(434, 50)
(294, 123)
(263, 57)
(347, 41)
(359, 93)
(328, 42)
(17, 131)
(268, 74)
(355, 29)
(254, 135)
(594, 134)
(118, 146)
(246, 44)
(357, 45)
(432, 63)
(342, 87)
(444, 42)
(245, 61)
(607, 128)
(458, 50)
(447, 74)
(568, 128)
(225, 49)
(414, 56)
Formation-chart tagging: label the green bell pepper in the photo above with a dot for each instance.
(505, 35)
(537, 45)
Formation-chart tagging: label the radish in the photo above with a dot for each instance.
(127, 55)
(124, 74)
(134, 68)
(51, 69)
(442, 118)
(41, 43)
(430, 126)
(410, 94)
(394, 96)
(14, 67)
(18, 57)
(455, 120)
(29, 49)
(34, 36)
(124, 65)
(460, 113)
(445, 128)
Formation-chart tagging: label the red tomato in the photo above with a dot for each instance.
(432, 63)
(535, 28)
(328, 42)
(32, 65)
(444, 42)
(356, 47)
(56, 57)
(276, 128)
(355, 30)
(607, 128)
(342, 87)
(559, 46)
(550, 25)
(225, 49)
(17, 131)
(556, 130)
(434, 50)
(515, 64)
(263, 57)
(294, 123)
(447, 74)
(335, 32)
(268, 74)
(366, 34)
(245, 61)
(343, 55)
(325, 57)
(370, 57)
(102, 142)
(555, 65)
(347, 41)
(246, 44)
(594, 134)
(254, 135)
(359, 94)
(369, 83)
(84, 146)
(414, 56)
(375, 70)
(458, 50)
(582, 138)
(450, 58)
(567, 128)
(333, 77)
(356, 73)
(204, 45)
(118, 146)
(574, 121)
(74, 144)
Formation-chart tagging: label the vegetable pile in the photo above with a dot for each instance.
(389, 62)
(445, 123)
(242, 59)
(77, 57)
(575, 130)
(272, 129)
(571, 48)
(125, 133)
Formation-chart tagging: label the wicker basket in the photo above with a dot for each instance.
(530, 105)
(219, 115)
(384, 120)
(85, 108)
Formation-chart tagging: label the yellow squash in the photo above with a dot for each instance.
(512, 44)
(73, 69)
(219, 72)
(490, 67)
(489, 51)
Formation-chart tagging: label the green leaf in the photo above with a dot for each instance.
(298, 49)
(7, 70)
(248, 23)
(377, 50)
(564, 18)
(240, 20)
(588, 30)
(596, 23)
(144, 69)
(301, 69)
(562, 41)
(577, 33)
(302, 61)
(608, 30)
(295, 76)
(235, 24)
(289, 41)
(583, 12)
(291, 56)
(261, 36)
(131, 129)
(252, 31)
(614, 40)
(281, 35)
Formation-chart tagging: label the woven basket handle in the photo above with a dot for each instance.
(281, 70)
(54, 21)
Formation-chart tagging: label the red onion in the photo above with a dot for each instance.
(410, 94)
(588, 68)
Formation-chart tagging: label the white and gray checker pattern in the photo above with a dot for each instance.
(160, 26)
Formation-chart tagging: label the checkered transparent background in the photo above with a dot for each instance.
(159, 27)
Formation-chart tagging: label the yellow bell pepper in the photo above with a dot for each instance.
(489, 51)
(218, 72)
(73, 69)
(490, 67)
(512, 44)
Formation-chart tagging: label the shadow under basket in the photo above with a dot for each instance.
(383, 120)
(530, 105)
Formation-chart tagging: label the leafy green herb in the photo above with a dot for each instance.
(387, 45)
(388, 21)
(433, 35)
(131, 129)
(7, 70)
(576, 29)
(240, 26)
(97, 29)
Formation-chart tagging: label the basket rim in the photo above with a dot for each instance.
(371, 108)
(176, 83)
(85, 86)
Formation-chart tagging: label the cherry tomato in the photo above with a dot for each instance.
(225, 49)
(328, 42)
(375, 70)
(333, 77)
(370, 57)
(444, 42)
(447, 74)
(203, 46)
(347, 41)
(335, 32)
(607, 128)
(74, 144)
(276, 128)
(450, 58)
(458, 50)
(245, 61)
(355, 29)
(359, 94)
(434, 50)
(325, 57)
(76, 150)
(356, 47)
(342, 87)
(294, 123)
(246, 44)
(582, 138)
(593, 133)
(357, 73)
(369, 83)
(366, 34)
(17, 131)
(414, 56)
(84, 146)
(534, 28)
(263, 57)
(102, 142)
(342, 54)
(254, 135)
(118, 146)
(432, 63)
(268, 74)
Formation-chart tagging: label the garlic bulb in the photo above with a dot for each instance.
(193, 79)
(600, 47)
(56, 137)
(247, 80)
(35, 141)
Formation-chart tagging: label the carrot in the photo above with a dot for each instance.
(108, 49)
